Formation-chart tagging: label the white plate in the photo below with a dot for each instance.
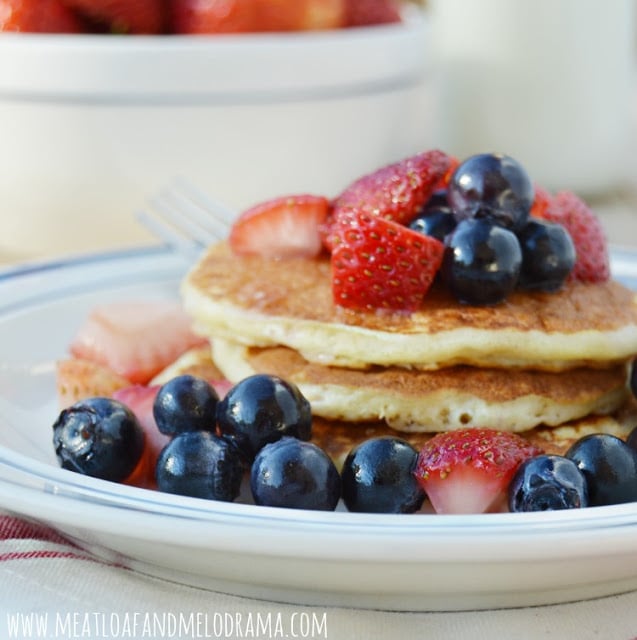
(419, 562)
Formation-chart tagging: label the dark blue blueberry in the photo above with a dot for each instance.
(378, 477)
(201, 465)
(494, 186)
(437, 222)
(261, 409)
(547, 483)
(481, 262)
(295, 474)
(185, 403)
(548, 255)
(98, 437)
(609, 466)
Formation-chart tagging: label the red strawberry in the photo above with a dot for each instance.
(362, 13)
(135, 339)
(38, 16)
(541, 202)
(469, 470)
(79, 379)
(592, 262)
(199, 17)
(299, 15)
(285, 227)
(395, 192)
(379, 264)
(123, 16)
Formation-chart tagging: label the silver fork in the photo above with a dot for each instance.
(186, 218)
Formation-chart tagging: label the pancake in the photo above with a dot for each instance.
(264, 302)
(441, 400)
(337, 439)
(195, 362)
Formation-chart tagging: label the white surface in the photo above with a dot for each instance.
(91, 125)
(418, 562)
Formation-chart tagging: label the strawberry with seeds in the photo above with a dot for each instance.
(136, 340)
(38, 16)
(592, 263)
(395, 192)
(379, 264)
(286, 227)
(469, 470)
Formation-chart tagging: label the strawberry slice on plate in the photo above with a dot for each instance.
(135, 339)
(469, 470)
(38, 16)
(379, 264)
(123, 16)
(285, 227)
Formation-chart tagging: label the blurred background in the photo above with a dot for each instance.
(96, 118)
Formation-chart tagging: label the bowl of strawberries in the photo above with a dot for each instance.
(103, 102)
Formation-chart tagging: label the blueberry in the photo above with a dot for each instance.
(200, 464)
(493, 186)
(261, 409)
(185, 403)
(481, 262)
(437, 222)
(295, 474)
(98, 437)
(377, 477)
(548, 255)
(609, 466)
(547, 483)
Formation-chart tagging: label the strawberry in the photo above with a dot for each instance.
(135, 339)
(396, 191)
(299, 15)
(469, 470)
(592, 261)
(363, 13)
(286, 227)
(379, 264)
(38, 16)
(200, 17)
(79, 379)
(541, 202)
(123, 16)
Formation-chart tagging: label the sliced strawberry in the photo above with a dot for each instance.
(123, 16)
(200, 17)
(592, 260)
(379, 264)
(78, 379)
(363, 13)
(135, 339)
(395, 192)
(285, 227)
(469, 470)
(38, 16)
(299, 15)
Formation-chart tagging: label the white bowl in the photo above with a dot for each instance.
(91, 126)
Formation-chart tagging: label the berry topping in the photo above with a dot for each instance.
(38, 16)
(492, 186)
(482, 262)
(286, 227)
(609, 466)
(592, 261)
(377, 477)
(469, 470)
(98, 437)
(547, 483)
(185, 403)
(202, 465)
(123, 16)
(261, 409)
(134, 339)
(435, 218)
(395, 192)
(548, 255)
(295, 475)
(362, 13)
(379, 264)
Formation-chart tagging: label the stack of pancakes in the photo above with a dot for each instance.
(531, 364)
